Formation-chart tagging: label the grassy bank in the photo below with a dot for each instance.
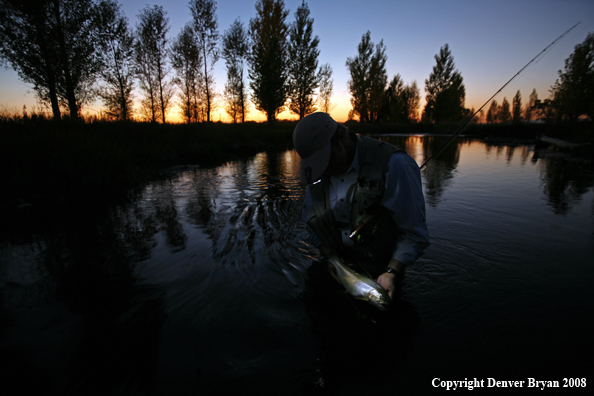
(46, 163)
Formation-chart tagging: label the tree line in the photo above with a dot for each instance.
(75, 51)
(374, 99)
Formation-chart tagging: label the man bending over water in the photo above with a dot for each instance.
(364, 199)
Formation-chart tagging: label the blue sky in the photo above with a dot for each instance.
(490, 41)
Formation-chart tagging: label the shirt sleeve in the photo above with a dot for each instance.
(404, 198)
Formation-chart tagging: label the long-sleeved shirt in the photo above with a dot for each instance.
(403, 197)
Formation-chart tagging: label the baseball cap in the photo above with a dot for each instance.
(311, 139)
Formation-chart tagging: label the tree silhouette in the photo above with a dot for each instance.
(412, 99)
(51, 44)
(27, 43)
(529, 109)
(493, 112)
(205, 27)
(117, 53)
(517, 108)
(151, 61)
(268, 58)
(573, 91)
(402, 101)
(303, 63)
(78, 55)
(235, 51)
(445, 90)
(504, 111)
(186, 60)
(368, 79)
(394, 106)
(326, 87)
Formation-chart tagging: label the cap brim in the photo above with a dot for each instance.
(314, 166)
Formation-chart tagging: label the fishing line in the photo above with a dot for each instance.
(540, 55)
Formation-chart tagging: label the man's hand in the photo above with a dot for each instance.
(389, 281)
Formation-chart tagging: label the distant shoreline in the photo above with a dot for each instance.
(47, 164)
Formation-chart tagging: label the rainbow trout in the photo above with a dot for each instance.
(360, 286)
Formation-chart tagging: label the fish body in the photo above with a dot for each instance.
(361, 286)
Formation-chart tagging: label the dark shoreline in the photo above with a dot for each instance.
(46, 165)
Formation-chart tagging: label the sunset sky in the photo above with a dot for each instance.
(490, 42)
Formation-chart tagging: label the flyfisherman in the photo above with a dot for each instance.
(364, 200)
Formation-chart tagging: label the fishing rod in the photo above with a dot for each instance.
(465, 123)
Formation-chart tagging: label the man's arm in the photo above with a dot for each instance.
(406, 203)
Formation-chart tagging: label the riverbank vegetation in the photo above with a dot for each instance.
(43, 162)
(74, 52)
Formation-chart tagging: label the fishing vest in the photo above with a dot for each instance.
(377, 239)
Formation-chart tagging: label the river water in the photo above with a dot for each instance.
(202, 284)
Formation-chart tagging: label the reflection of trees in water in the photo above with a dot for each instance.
(437, 177)
(509, 150)
(249, 209)
(91, 263)
(163, 214)
(564, 184)
(439, 172)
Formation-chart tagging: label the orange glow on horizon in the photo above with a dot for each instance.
(339, 113)
(342, 106)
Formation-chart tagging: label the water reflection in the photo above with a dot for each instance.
(438, 174)
(564, 183)
(202, 282)
(508, 151)
(80, 311)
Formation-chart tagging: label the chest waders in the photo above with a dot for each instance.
(375, 243)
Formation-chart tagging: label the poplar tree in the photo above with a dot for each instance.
(186, 60)
(235, 52)
(412, 99)
(268, 58)
(368, 80)
(378, 80)
(117, 54)
(402, 101)
(529, 109)
(326, 87)
(78, 55)
(303, 52)
(395, 107)
(151, 62)
(493, 112)
(205, 27)
(445, 90)
(504, 111)
(359, 84)
(517, 108)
